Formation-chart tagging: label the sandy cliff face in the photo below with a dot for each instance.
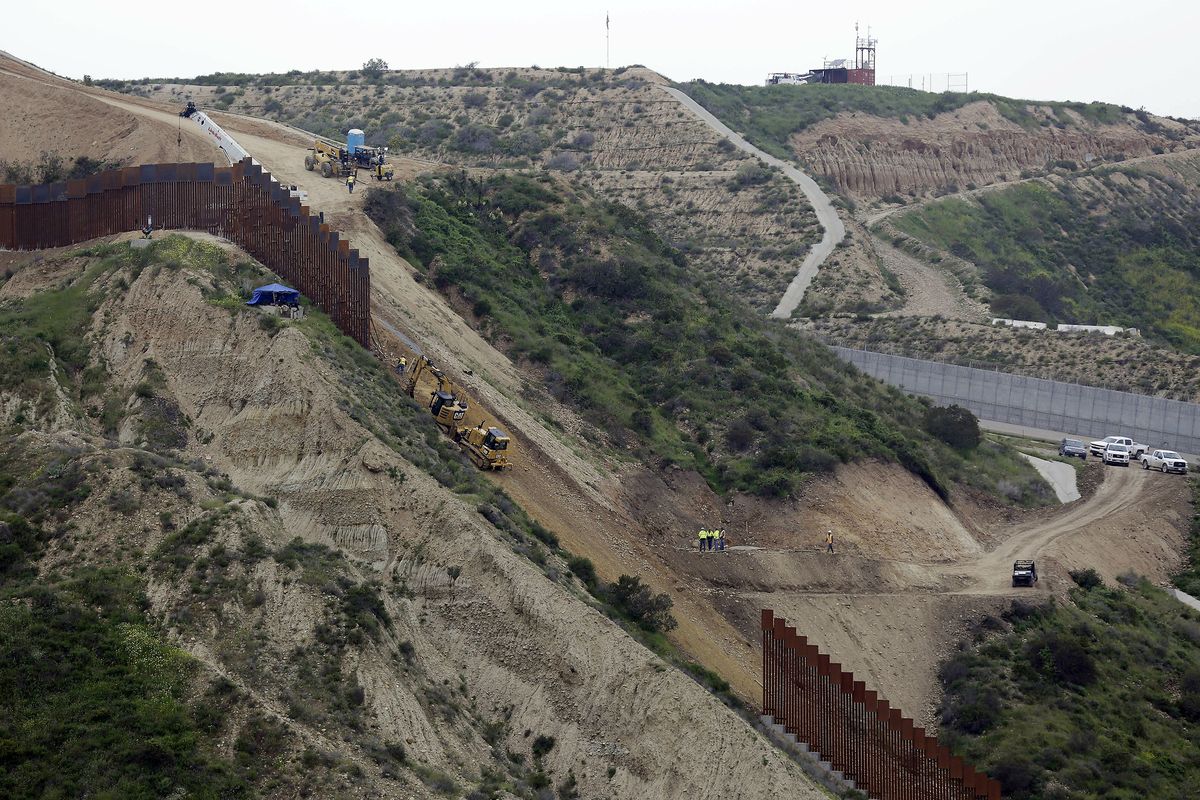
(867, 156)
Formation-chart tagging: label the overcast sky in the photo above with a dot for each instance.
(1134, 53)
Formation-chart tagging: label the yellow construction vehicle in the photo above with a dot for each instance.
(447, 404)
(334, 160)
(486, 447)
(329, 158)
(383, 171)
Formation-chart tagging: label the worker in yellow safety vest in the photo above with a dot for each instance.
(350, 182)
(703, 536)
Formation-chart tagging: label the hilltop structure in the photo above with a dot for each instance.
(860, 69)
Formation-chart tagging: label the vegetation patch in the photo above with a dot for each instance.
(1188, 579)
(1120, 248)
(92, 701)
(670, 367)
(1095, 697)
(770, 115)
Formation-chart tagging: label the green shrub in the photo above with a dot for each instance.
(1078, 695)
(954, 425)
(1086, 578)
(634, 600)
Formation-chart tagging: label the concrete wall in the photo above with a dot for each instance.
(1038, 403)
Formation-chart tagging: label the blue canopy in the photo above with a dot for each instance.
(274, 294)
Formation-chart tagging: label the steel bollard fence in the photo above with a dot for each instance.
(854, 729)
(242, 203)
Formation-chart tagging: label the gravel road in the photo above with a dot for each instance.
(835, 231)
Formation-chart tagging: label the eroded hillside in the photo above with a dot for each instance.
(894, 143)
(612, 130)
(1113, 245)
(314, 593)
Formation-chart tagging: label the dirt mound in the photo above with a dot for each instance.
(44, 116)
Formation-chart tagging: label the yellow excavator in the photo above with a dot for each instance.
(447, 404)
(486, 446)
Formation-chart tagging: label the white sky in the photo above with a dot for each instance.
(1134, 53)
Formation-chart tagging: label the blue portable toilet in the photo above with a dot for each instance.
(354, 139)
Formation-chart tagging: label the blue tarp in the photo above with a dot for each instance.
(274, 294)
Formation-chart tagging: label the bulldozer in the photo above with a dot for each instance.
(486, 446)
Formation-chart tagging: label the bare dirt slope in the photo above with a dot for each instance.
(42, 116)
(466, 659)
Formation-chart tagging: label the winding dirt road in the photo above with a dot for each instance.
(827, 215)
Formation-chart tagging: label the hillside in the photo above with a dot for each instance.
(888, 142)
(1109, 245)
(286, 577)
(614, 131)
(607, 315)
(1125, 363)
(516, 280)
(1095, 696)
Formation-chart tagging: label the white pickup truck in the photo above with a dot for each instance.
(1134, 449)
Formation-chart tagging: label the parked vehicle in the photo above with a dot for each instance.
(1097, 447)
(1165, 461)
(1024, 573)
(1072, 448)
(1116, 454)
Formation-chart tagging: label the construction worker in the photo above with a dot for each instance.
(703, 537)
(721, 540)
(401, 365)
(829, 541)
(379, 171)
(350, 182)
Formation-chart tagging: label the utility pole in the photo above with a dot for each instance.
(607, 46)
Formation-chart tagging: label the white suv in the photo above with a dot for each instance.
(1116, 454)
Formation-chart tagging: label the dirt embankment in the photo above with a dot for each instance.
(472, 657)
(42, 117)
(872, 157)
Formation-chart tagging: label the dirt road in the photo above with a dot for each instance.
(827, 215)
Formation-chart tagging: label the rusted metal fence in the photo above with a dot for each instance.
(243, 203)
(854, 729)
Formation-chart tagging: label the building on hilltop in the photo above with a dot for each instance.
(860, 69)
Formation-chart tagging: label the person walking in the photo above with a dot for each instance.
(828, 541)
(721, 540)
(350, 182)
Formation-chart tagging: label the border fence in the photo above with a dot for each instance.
(1037, 402)
(854, 729)
(242, 203)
